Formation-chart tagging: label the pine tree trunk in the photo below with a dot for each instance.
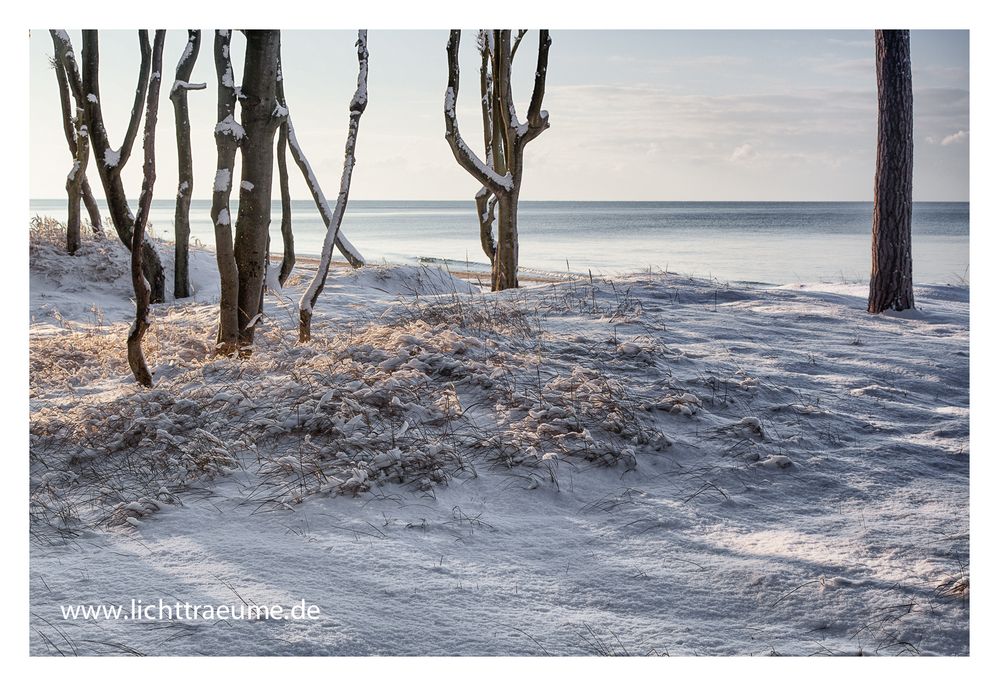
(258, 105)
(891, 263)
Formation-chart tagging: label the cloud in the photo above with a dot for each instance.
(953, 138)
(742, 153)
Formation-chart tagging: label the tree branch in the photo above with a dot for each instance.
(469, 161)
(357, 106)
(136, 360)
(537, 118)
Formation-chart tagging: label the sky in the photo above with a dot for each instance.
(635, 115)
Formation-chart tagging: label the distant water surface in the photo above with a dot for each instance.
(769, 242)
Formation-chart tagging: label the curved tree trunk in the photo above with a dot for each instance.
(505, 138)
(185, 164)
(72, 127)
(110, 162)
(136, 360)
(287, 235)
(357, 105)
(74, 186)
(891, 263)
(258, 105)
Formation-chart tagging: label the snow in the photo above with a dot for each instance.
(111, 157)
(230, 127)
(223, 180)
(246, 185)
(444, 470)
(223, 218)
(91, 97)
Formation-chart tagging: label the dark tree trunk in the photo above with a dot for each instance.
(507, 250)
(257, 115)
(287, 235)
(505, 138)
(891, 263)
(136, 360)
(74, 128)
(74, 186)
(185, 164)
(228, 135)
(110, 162)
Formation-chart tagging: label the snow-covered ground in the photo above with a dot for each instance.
(650, 465)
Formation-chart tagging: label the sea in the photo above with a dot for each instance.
(758, 242)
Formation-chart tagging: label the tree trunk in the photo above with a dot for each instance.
(257, 116)
(72, 126)
(504, 137)
(507, 245)
(185, 164)
(287, 235)
(74, 185)
(891, 263)
(136, 360)
(357, 105)
(228, 135)
(110, 162)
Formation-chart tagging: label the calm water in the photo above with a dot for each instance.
(767, 242)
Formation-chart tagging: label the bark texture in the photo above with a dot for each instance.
(228, 134)
(74, 127)
(504, 135)
(334, 219)
(136, 359)
(185, 163)
(287, 234)
(110, 161)
(891, 253)
(260, 121)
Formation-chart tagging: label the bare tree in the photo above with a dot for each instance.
(505, 138)
(110, 161)
(136, 360)
(185, 164)
(228, 135)
(287, 235)
(891, 253)
(332, 219)
(260, 119)
(75, 129)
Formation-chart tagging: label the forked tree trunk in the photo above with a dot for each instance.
(74, 185)
(228, 134)
(185, 164)
(136, 359)
(334, 219)
(891, 253)
(258, 104)
(72, 126)
(505, 138)
(110, 162)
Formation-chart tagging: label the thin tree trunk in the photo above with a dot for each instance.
(74, 185)
(357, 106)
(257, 116)
(110, 162)
(287, 235)
(136, 359)
(71, 127)
(185, 163)
(891, 253)
(228, 134)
